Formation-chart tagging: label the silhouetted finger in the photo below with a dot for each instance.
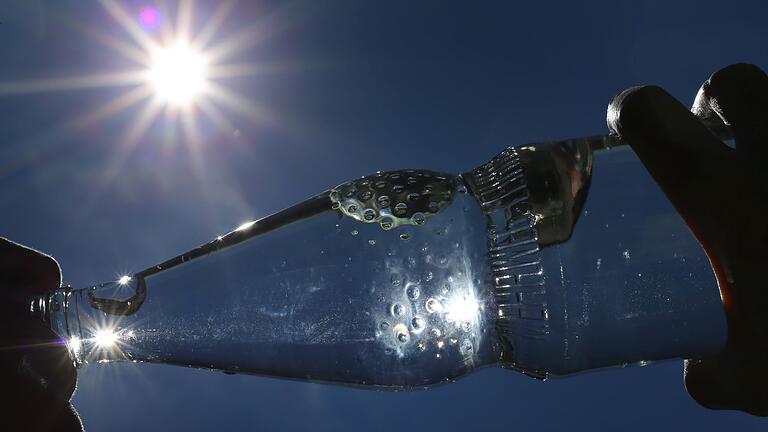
(739, 95)
(676, 148)
(25, 271)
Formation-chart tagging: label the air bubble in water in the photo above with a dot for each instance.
(412, 291)
(396, 309)
(401, 333)
(417, 323)
(433, 305)
(386, 223)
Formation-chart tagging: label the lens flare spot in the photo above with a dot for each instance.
(105, 338)
(149, 17)
(74, 344)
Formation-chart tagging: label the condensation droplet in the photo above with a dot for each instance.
(354, 232)
(466, 325)
(383, 201)
(428, 276)
(335, 205)
(453, 341)
(395, 279)
(384, 325)
(352, 208)
(466, 346)
(421, 346)
(371, 242)
(433, 206)
(435, 332)
(400, 208)
(404, 236)
(398, 188)
(413, 196)
(381, 184)
(418, 218)
(412, 291)
(365, 195)
(626, 255)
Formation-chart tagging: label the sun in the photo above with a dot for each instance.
(178, 74)
(177, 61)
(182, 64)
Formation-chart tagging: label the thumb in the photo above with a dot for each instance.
(738, 94)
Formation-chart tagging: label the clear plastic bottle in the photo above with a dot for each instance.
(550, 259)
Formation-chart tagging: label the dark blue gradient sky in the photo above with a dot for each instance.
(347, 88)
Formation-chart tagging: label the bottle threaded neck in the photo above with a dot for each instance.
(513, 252)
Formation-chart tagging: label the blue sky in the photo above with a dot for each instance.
(343, 89)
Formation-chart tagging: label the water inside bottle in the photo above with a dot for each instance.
(379, 281)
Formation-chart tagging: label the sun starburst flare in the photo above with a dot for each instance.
(177, 74)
